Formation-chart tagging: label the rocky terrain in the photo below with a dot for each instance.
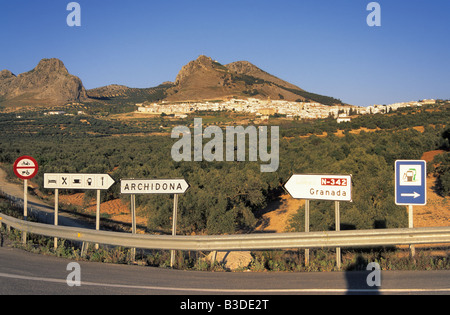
(247, 68)
(108, 91)
(49, 83)
(207, 79)
(202, 79)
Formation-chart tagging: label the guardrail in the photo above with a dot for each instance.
(32, 210)
(354, 238)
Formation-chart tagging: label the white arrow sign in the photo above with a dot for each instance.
(78, 181)
(415, 195)
(153, 186)
(320, 187)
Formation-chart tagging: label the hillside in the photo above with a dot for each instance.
(120, 94)
(205, 78)
(49, 83)
(246, 68)
(226, 197)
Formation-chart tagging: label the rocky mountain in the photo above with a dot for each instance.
(49, 83)
(205, 78)
(108, 91)
(202, 79)
(246, 68)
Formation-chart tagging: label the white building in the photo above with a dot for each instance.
(343, 118)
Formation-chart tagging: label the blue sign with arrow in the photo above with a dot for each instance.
(411, 183)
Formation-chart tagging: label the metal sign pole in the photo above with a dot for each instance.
(133, 223)
(25, 168)
(411, 226)
(156, 186)
(307, 230)
(97, 217)
(338, 228)
(25, 207)
(174, 226)
(55, 241)
(133, 213)
(25, 199)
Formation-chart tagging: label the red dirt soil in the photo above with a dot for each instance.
(117, 209)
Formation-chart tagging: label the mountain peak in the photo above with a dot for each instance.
(200, 65)
(51, 65)
(204, 59)
(49, 83)
(205, 78)
(6, 74)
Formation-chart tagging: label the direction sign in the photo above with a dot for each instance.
(153, 186)
(410, 183)
(25, 167)
(78, 181)
(320, 187)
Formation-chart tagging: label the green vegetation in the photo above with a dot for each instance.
(402, 119)
(224, 196)
(250, 81)
(126, 101)
(441, 169)
(326, 100)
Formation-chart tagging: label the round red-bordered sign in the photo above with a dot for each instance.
(25, 167)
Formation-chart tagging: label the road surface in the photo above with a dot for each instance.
(26, 273)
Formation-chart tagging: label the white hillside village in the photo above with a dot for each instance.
(265, 108)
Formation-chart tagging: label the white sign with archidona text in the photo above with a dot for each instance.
(153, 186)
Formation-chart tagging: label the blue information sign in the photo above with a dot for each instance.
(411, 183)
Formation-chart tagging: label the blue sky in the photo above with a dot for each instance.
(323, 46)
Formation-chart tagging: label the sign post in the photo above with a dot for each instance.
(55, 240)
(133, 222)
(25, 168)
(321, 187)
(174, 226)
(307, 230)
(338, 228)
(156, 186)
(411, 187)
(78, 182)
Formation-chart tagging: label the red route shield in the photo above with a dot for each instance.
(25, 167)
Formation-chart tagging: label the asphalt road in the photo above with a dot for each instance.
(23, 273)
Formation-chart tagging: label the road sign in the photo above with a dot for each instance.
(410, 183)
(25, 167)
(320, 187)
(153, 186)
(78, 181)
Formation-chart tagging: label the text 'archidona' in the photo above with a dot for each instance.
(153, 187)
